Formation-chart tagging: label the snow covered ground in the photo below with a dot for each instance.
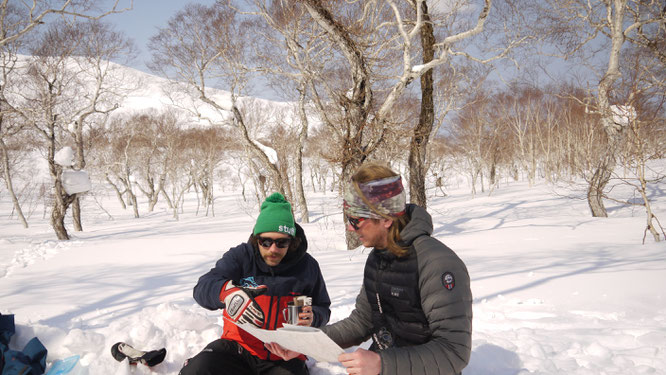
(555, 290)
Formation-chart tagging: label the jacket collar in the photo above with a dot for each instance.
(420, 224)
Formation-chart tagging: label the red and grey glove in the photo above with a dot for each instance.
(240, 304)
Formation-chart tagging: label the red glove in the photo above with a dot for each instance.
(240, 304)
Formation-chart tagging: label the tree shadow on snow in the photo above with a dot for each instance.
(114, 302)
(609, 259)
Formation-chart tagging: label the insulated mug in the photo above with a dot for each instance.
(290, 314)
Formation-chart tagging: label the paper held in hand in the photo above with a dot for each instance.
(306, 340)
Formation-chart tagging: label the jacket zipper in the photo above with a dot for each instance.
(267, 323)
(377, 282)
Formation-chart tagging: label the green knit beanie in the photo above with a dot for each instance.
(275, 216)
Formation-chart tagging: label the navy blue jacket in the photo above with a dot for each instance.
(297, 274)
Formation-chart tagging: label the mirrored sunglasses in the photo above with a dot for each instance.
(355, 222)
(280, 243)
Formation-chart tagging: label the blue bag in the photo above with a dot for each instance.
(30, 361)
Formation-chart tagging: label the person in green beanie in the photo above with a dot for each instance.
(275, 222)
(254, 282)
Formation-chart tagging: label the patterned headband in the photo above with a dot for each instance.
(383, 198)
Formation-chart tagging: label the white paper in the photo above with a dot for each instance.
(310, 341)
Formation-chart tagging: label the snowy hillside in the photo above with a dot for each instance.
(555, 290)
(137, 92)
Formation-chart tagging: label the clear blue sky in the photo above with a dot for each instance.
(143, 20)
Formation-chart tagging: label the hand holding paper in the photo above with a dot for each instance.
(279, 351)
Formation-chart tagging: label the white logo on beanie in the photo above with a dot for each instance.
(288, 230)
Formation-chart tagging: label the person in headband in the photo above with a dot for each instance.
(384, 198)
(415, 301)
(376, 193)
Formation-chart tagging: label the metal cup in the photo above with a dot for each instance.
(290, 314)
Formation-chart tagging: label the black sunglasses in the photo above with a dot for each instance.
(355, 221)
(280, 243)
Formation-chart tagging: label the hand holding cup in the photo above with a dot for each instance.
(299, 311)
(305, 316)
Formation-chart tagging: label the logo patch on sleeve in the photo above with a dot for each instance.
(448, 280)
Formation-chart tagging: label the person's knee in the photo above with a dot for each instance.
(187, 370)
(220, 356)
(196, 365)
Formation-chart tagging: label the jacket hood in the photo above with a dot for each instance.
(291, 259)
(420, 224)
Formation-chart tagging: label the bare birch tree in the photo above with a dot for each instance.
(642, 86)
(287, 33)
(479, 136)
(18, 19)
(10, 124)
(119, 159)
(152, 150)
(10, 129)
(104, 84)
(61, 92)
(423, 130)
(580, 27)
(207, 154)
(205, 45)
(367, 35)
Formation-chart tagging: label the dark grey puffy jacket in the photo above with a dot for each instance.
(446, 301)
